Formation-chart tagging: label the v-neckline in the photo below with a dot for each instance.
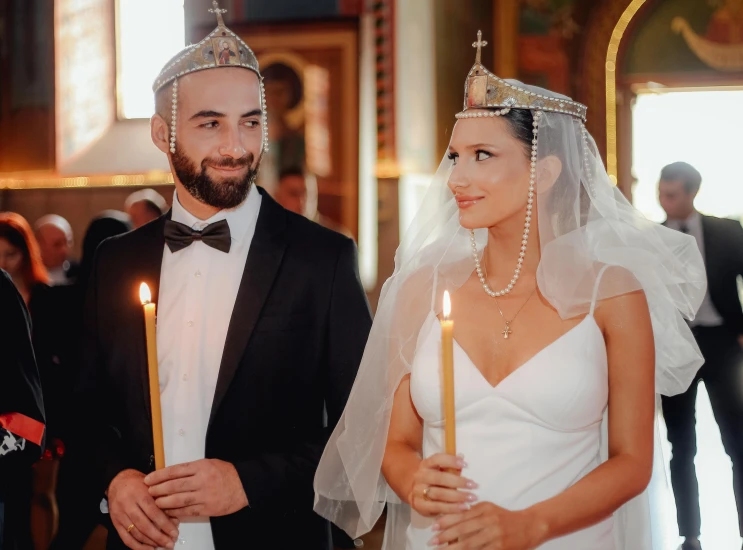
(525, 363)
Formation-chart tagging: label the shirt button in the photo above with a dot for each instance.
(181, 432)
(190, 323)
(197, 274)
(185, 378)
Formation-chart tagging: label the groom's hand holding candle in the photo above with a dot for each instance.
(206, 488)
(138, 521)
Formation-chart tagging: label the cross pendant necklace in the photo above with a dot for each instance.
(507, 330)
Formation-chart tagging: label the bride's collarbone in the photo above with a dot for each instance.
(496, 348)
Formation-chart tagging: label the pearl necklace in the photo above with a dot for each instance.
(525, 238)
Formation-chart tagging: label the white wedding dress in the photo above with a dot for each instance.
(530, 437)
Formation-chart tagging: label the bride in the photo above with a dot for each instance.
(567, 308)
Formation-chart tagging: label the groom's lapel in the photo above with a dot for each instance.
(264, 259)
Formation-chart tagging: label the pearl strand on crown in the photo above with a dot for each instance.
(174, 116)
(484, 114)
(527, 224)
(265, 115)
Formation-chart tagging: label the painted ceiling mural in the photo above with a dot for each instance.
(546, 31)
(688, 36)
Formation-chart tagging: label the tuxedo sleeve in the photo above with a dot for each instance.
(94, 390)
(285, 479)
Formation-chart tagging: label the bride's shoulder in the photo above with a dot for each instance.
(621, 300)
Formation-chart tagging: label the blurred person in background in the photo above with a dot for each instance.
(56, 240)
(20, 256)
(21, 418)
(718, 329)
(144, 206)
(297, 191)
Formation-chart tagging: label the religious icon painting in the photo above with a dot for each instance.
(226, 50)
(477, 93)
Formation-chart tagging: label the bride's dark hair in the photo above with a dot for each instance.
(520, 122)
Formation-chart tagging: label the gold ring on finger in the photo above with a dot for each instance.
(425, 493)
(129, 529)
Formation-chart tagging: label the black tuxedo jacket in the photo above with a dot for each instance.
(723, 262)
(723, 259)
(293, 347)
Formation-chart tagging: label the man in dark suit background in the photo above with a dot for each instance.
(22, 413)
(261, 326)
(718, 329)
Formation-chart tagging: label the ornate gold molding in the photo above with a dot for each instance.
(611, 87)
(35, 180)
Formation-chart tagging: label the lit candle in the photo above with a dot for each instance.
(157, 423)
(447, 366)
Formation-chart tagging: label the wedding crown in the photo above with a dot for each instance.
(484, 90)
(221, 48)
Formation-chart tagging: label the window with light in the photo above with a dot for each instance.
(149, 33)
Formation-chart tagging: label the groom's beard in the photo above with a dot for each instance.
(225, 193)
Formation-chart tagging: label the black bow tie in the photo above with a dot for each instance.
(217, 235)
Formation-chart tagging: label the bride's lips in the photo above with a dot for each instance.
(465, 201)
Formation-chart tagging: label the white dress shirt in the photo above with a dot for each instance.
(707, 315)
(198, 288)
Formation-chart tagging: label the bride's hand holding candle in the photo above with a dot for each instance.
(489, 526)
(439, 488)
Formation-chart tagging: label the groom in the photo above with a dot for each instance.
(261, 326)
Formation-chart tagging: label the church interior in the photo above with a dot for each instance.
(361, 97)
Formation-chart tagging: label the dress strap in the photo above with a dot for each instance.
(596, 288)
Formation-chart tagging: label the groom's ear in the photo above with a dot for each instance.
(548, 170)
(160, 133)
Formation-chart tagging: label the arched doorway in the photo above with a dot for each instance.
(606, 26)
(607, 89)
(675, 54)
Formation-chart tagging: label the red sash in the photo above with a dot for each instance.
(23, 426)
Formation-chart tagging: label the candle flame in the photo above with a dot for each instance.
(144, 293)
(447, 305)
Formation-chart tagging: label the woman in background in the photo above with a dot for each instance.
(20, 256)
